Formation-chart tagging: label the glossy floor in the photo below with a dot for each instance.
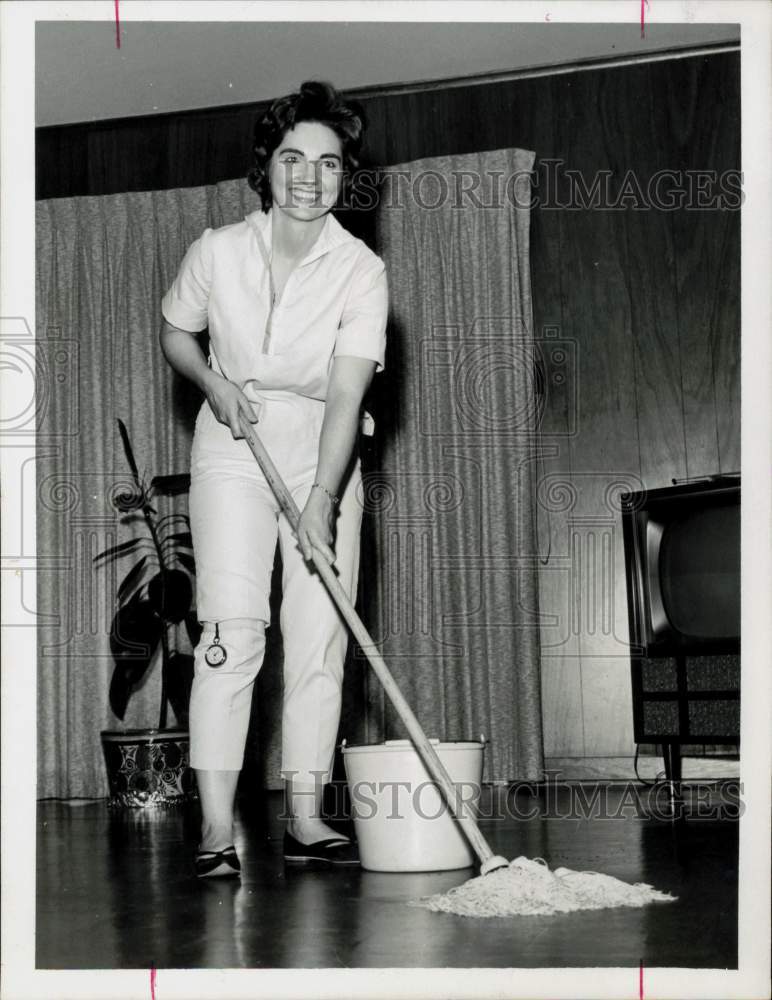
(116, 890)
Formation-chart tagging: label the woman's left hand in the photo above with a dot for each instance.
(315, 528)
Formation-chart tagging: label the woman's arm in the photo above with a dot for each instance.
(183, 352)
(349, 380)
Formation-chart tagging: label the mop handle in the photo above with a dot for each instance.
(428, 754)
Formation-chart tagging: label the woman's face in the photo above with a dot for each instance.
(306, 171)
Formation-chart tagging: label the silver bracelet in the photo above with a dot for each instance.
(333, 498)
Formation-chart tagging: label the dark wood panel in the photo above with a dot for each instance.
(560, 674)
(725, 345)
(652, 286)
(598, 316)
(703, 107)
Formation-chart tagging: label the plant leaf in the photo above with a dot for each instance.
(129, 453)
(134, 637)
(171, 485)
(174, 550)
(171, 594)
(175, 517)
(179, 679)
(193, 627)
(181, 537)
(187, 561)
(132, 577)
(124, 549)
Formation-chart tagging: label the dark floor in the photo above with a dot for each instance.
(115, 890)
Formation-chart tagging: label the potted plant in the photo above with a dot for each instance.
(148, 767)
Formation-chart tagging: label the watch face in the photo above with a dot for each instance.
(216, 655)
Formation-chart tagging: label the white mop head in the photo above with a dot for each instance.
(529, 888)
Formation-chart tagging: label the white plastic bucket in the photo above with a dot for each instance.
(401, 820)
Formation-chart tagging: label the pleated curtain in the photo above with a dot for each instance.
(448, 584)
(451, 586)
(103, 265)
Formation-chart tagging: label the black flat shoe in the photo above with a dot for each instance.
(333, 851)
(218, 864)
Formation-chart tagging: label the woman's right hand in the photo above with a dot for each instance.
(228, 403)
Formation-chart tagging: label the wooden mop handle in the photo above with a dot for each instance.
(428, 754)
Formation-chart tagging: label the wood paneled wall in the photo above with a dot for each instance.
(649, 299)
(636, 308)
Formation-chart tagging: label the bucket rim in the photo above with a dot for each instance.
(400, 746)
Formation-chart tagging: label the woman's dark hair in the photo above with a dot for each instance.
(314, 102)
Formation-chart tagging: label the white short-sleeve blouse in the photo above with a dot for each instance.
(334, 303)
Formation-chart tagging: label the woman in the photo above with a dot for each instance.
(296, 310)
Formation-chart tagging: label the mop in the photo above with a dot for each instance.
(522, 887)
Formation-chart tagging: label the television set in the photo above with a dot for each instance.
(682, 554)
(682, 562)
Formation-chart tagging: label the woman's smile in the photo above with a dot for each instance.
(304, 195)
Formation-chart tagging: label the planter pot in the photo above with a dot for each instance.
(148, 768)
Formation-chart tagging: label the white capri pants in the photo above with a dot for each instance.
(235, 523)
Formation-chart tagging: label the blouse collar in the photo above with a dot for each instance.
(331, 236)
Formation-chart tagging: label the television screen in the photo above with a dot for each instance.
(699, 570)
(682, 555)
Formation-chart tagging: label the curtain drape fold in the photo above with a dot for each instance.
(103, 264)
(453, 585)
(449, 586)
